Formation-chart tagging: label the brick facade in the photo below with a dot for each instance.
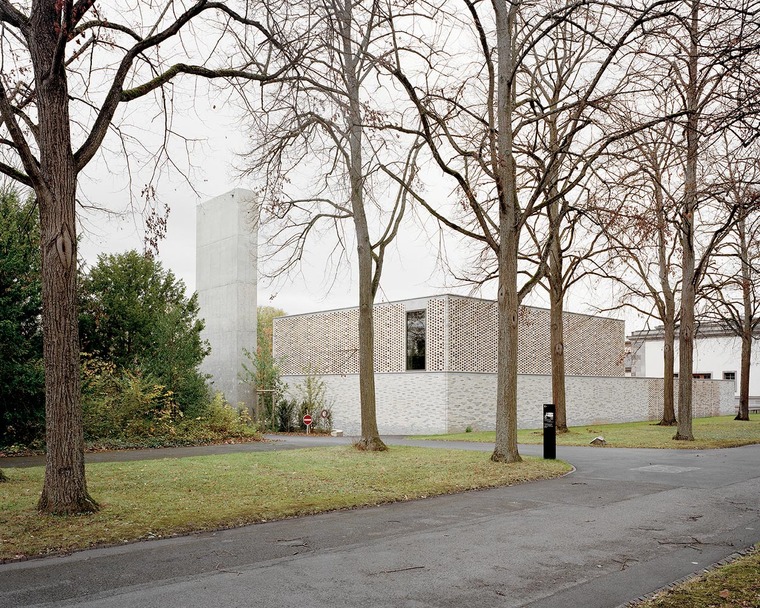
(461, 337)
(458, 387)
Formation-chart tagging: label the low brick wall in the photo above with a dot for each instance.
(441, 402)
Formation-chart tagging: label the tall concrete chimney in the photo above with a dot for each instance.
(226, 276)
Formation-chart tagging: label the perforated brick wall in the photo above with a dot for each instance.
(472, 335)
(593, 345)
(461, 337)
(328, 342)
(436, 335)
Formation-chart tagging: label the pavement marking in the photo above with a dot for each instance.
(665, 468)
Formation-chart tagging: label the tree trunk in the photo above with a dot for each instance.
(370, 437)
(667, 306)
(688, 288)
(65, 488)
(743, 413)
(505, 449)
(557, 335)
(686, 353)
(668, 410)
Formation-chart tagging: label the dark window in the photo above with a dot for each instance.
(415, 339)
(730, 376)
(698, 376)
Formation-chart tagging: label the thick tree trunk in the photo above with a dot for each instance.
(686, 354)
(688, 288)
(556, 309)
(65, 489)
(505, 449)
(557, 343)
(370, 437)
(743, 413)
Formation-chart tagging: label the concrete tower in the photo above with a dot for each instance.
(226, 238)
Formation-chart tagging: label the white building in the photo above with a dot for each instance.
(226, 246)
(717, 356)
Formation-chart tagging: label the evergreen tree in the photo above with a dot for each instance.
(135, 315)
(22, 390)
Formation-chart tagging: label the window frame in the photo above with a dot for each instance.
(413, 360)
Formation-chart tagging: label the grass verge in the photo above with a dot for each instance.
(733, 585)
(719, 432)
(158, 498)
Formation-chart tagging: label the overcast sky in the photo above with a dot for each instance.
(411, 266)
(410, 271)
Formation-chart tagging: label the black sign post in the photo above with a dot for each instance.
(550, 432)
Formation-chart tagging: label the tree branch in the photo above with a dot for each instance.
(12, 16)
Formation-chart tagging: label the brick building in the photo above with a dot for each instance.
(435, 364)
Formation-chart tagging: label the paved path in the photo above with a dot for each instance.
(624, 523)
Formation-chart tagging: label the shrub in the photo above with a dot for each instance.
(126, 405)
(313, 397)
(122, 409)
(22, 378)
(222, 420)
(285, 411)
(136, 315)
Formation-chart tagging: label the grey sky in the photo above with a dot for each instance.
(211, 162)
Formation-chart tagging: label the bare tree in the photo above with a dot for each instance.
(639, 222)
(67, 69)
(329, 119)
(561, 159)
(709, 44)
(474, 128)
(732, 290)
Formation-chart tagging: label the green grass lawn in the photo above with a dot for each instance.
(720, 432)
(156, 498)
(735, 584)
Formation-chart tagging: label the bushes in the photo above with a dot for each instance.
(123, 409)
(285, 415)
(141, 383)
(22, 390)
(312, 393)
(136, 315)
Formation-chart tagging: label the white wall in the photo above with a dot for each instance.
(441, 402)
(712, 355)
(407, 403)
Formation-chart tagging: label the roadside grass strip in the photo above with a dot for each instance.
(168, 497)
(736, 584)
(719, 432)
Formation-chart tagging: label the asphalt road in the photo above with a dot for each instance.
(625, 523)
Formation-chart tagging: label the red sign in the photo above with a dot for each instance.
(307, 420)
